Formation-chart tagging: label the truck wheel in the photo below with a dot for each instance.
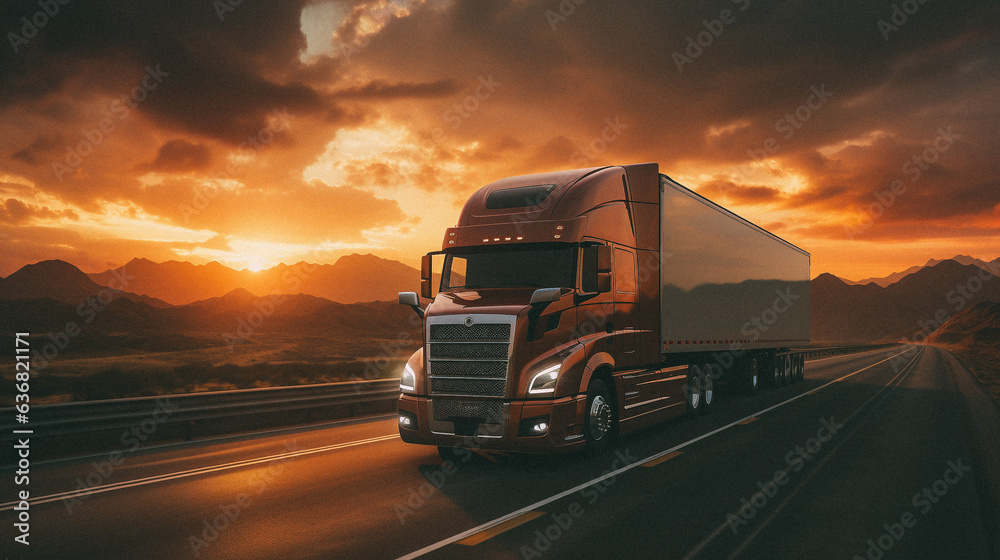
(788, 375)
(751, 377)
(778, 377)
(707, 388)
(694, 391)
(600, 423)
(800, 360)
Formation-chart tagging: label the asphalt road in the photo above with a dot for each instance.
(869, 457)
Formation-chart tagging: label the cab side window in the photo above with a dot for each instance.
(624, 272)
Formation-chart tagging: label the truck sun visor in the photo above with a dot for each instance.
(518, 197)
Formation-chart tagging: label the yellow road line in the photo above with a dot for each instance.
(495, 530)
(659, 460)
(748, 420)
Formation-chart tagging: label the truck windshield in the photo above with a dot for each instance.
(535, 266)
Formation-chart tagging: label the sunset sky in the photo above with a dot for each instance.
(304, 130)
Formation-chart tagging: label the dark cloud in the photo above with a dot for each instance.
(179, 155)
(729, 191)
(14, 211)
(381, 90)
(43, 146)
(746, 97)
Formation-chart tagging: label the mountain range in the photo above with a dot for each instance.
(918, 303)
(885, 281)
(978, 325)
(352, 278)
(299, 299)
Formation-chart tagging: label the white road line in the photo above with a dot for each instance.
(194, 472)
(577, 488)
(888, 387)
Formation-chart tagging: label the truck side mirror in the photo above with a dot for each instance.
(411, 299)
(426, 273)
(603, 268)
(545, 295)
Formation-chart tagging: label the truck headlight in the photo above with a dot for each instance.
(544, 382)
(408, 381)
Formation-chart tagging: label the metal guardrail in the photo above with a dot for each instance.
(108, 424)
(183, 416)
(823, 351)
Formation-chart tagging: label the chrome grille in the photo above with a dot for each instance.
(469, 350)
(470, 369)
(468, 356)
(478, 387)
(494, 331)
(490, 412)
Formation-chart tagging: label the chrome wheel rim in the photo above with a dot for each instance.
(600, 417)
(694, 393)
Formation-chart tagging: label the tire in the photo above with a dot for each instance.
(777, 377)
(601, 422)
(801, 373)
(707, 388)
(693, 391)
(786, 370)
(751, 377)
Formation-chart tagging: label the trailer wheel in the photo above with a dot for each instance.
(778, 377)
(751, 377)
(600, 424)
(707, 388)
(800, 361)
(787, 377)
(694, 391)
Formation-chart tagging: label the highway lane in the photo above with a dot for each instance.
(356, 491)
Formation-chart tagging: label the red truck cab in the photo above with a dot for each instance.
(547, 318)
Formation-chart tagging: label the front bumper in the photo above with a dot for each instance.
(565, 427)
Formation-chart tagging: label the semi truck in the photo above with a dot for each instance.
(576, 306)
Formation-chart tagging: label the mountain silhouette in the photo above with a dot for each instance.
(912, 307)
(897, 276)
(63, 282)
(351, 279)
(978, 325)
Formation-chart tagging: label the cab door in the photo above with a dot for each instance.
(625, 320)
